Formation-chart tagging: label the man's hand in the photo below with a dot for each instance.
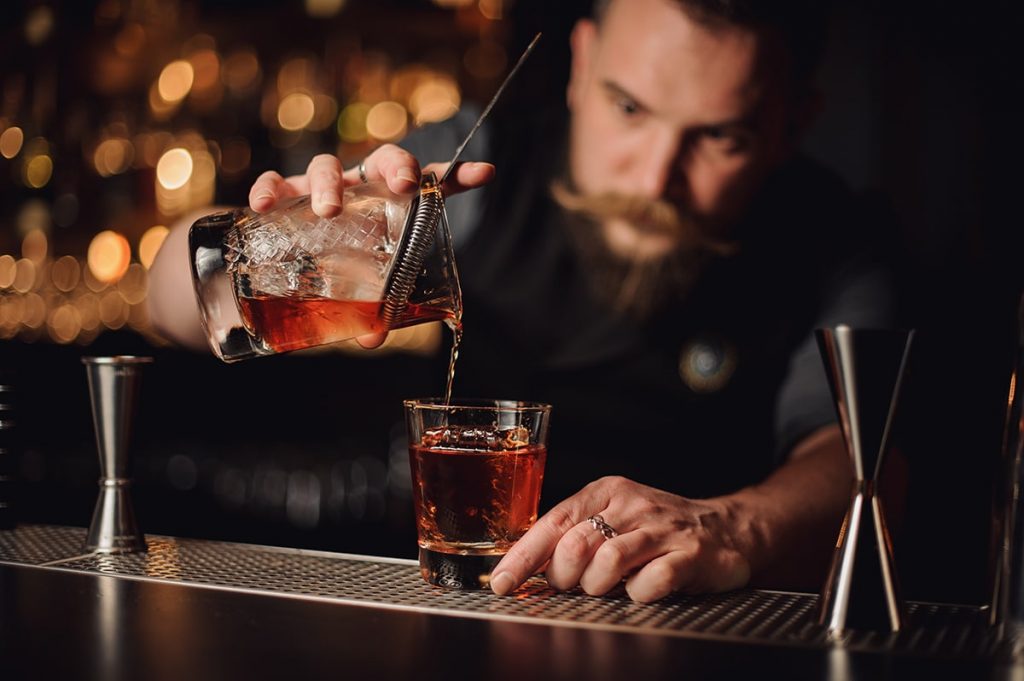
(325, 181)
(779, 533)
(665, 543)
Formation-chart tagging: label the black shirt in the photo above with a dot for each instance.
(705, 397)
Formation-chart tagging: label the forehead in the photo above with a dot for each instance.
(658, 53)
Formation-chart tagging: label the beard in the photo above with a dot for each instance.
(637, 282)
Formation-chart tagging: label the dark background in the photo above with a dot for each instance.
(307, 450)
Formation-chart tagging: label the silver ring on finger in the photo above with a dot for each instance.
(606, 530)
(362, 172)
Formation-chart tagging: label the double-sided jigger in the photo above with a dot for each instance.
(113, 390)
(865, 368)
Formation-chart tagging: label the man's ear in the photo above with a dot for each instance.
(583, 43)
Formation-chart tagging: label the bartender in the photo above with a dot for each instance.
(651, 258)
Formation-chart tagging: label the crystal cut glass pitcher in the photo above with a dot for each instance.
(289, 279)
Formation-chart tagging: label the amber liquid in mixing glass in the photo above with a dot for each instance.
(292, 323)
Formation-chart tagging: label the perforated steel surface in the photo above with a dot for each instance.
(41, 544)
(752, 616)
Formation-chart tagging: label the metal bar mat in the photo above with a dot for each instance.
(41, 544)
(751, 616)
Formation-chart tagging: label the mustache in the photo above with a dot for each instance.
(653, 216)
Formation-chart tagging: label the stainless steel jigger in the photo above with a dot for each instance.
(865, 368)
(113, 391)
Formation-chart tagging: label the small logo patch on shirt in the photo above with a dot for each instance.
(707, 364)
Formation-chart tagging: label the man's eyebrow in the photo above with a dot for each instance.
(745, 123)
(617, 90)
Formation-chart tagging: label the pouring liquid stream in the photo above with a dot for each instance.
(455, 324)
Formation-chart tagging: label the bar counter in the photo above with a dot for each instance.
(190, 609)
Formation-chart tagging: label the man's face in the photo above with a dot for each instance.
(664, 108)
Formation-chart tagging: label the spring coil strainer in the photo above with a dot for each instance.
(417, 240)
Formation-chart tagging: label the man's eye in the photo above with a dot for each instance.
(724, 139)
(627, 106)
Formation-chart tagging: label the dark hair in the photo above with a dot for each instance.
(802, 24)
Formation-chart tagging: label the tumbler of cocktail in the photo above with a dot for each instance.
(477, 468)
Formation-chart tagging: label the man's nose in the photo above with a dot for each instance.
(661, 168)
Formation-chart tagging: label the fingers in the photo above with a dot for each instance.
(325, 179)
(397, 167)
(661, 576)
(616, 558)
(536, 547)
(533, 550)
(465, 176)
(270, 187)
(572, 555)
(665, 544)
(690, 570)
(324, 174)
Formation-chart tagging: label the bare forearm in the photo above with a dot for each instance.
(787, 525)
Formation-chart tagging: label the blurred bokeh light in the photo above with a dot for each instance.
(150, 243)
(10, 141)
(118, 118)
(295, 111)
(323, 8)
(386, 121)
(175, 81)
(174, 168)
(35, 245)
(38, 170)
(109, 256)
(39, 25)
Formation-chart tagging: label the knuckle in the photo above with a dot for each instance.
(393, 152)
(326, 176)
(607, 481)
(398, 160)
(613, 555)
(661, 577)
(325, 159)
(699, 551)
(560, 520)
(614, 483)
(383, 154)
(575, 547)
